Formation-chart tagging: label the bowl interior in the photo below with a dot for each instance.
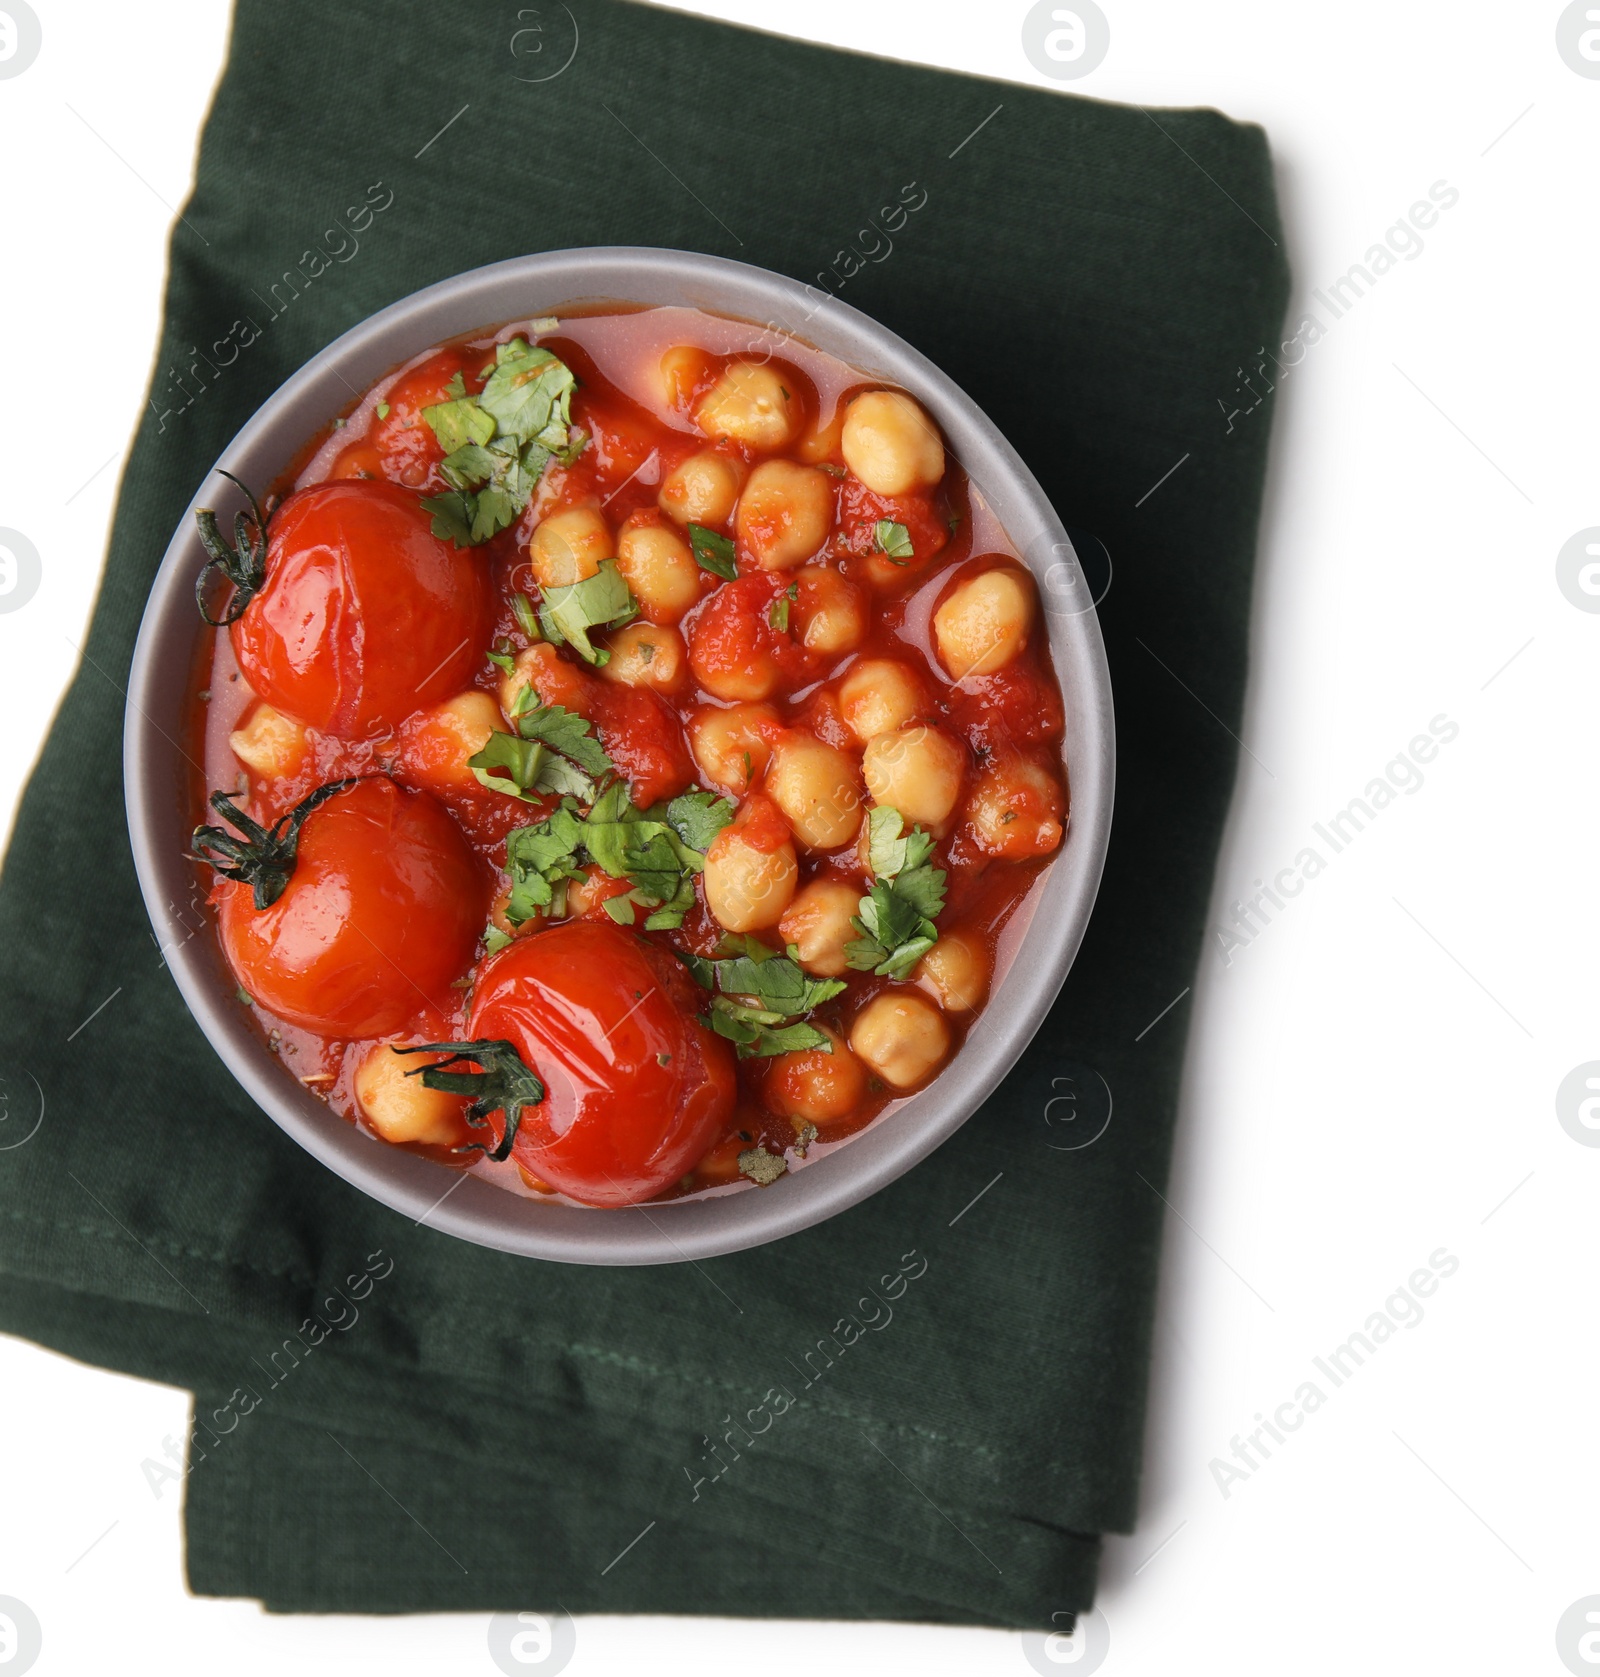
(160, 818)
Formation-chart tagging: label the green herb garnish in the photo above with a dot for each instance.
(504, 1085)
(527, 618)
(562, 730)
(263, 859)
(893, 541)
(896, 918)
(498, 443)
(712, 552)
(697, 818)
(657, 851)
(761, 995)
(551, 751)
(601, 601)
(778, 612)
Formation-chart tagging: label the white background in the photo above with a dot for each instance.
(1366, 1083)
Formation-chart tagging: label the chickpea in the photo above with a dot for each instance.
(554, 681)
(399, 1107)
(891, 444)
(748, 675)
(751, 871)
(902, 1036)
(817, 788)
(659, 568)
(821, 442)
(732, 747)
(721, 1164)
(646, 655)
(270, 743)
(984, 623)
(784, 514)
(830, 612)
(750, 404)
(1017, 809)
(596, 887)
(497, 915)
(879, 695)
(681, 368)
(817, 923)
(435, 746)
(821, 716)
(955, 972)
(918, 771)
(814, 1085)
(702, 489)
(568, 546)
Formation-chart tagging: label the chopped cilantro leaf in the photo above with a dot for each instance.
(624, 842)
(383, 410)
(498, 443)
(759, 992)
(893, 541)
(500, 654)
(896, 917)
(759, 1035)
(712, 552)
(598, 602)
(778, 612)
(697, 818)
(888, 852)
(527, 618)
(459, 423)
(519, 758)
(529, 394)
(562, 730)
(494, 940)
(778, 984)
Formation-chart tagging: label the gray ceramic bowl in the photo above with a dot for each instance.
(160, 816)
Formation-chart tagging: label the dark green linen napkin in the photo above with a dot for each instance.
(931, 1406)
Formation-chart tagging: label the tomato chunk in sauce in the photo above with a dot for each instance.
(644, 711)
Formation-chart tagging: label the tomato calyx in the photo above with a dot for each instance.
(264, 858)
(244, 564)
(504, 1084)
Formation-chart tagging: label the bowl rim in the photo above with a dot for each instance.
(471, 1208)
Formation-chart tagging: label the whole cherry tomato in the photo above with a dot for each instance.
(366, 615)
(636, 1089)
(381, 915)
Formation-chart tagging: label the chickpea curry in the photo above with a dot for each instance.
(632, 750)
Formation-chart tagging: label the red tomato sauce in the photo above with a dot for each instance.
(769, 638)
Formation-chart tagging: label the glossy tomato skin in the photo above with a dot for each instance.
(381, 915)
(366, 615)
(636, 1090)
